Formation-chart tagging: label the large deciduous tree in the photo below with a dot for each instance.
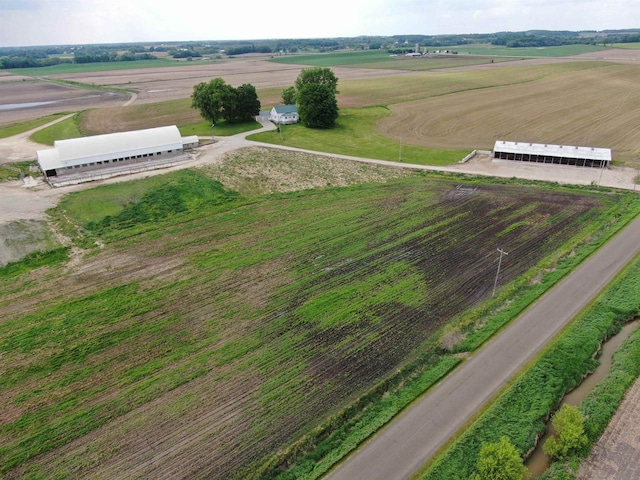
(289, 95)
(208, 97)
(569, 438)
(499, 461)
(316, 90)
(217, 100)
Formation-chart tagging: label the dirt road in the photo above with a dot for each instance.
(401, 448)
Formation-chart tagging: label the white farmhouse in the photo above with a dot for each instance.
(284, 114)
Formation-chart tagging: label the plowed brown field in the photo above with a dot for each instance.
(598, 107)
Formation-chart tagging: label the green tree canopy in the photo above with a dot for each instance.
(208, 97)
(569, 438)
(289, 96)
(316, 90)
(217, 100)
(317, 76)
(499, 461)
(317, 106)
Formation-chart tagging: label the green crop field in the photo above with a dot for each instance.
(559, 51)
(214, 321)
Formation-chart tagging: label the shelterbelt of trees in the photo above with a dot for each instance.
(23, 57)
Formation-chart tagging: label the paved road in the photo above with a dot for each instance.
(401, 448)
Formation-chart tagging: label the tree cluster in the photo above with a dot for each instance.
(315, 94)
(217, 100)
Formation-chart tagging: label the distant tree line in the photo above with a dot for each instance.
(18, 57)
(46, 57)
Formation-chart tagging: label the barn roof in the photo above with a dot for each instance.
(566, 151)
(80, 150)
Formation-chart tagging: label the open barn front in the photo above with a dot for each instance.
(554, 154)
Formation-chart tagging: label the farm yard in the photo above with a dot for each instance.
(218, 331)
(207, 319)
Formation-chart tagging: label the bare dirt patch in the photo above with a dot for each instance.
(63, 98)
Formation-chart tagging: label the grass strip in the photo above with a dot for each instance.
(35, 260)
(16, 128)
(520, 412)
(60, 131)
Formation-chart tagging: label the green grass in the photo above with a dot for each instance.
(8, 171)
(69, 68)
(630, 46)
(17, 128)
(60, 131)
(559, 51)
(355, 135)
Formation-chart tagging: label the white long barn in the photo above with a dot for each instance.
(558, 154)
(101, 152)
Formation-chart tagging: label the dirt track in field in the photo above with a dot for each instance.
(616, 456)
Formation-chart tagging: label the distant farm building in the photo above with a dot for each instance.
(89, 158)
(556, 154)
(284, 114)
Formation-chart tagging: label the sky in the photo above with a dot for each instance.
(63, 22)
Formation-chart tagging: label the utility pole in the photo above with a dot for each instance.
(495, 284)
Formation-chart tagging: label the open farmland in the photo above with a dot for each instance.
(48, 98)
(597, 107)
(195, 344)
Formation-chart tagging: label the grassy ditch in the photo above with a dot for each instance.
(520, 412)
(601, 404)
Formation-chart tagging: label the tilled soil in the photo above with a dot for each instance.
(616, 456)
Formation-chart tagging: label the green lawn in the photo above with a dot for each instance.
(355, 135)
(60, 131)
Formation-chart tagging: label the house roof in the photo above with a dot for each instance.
(567, 151)
(280, 109)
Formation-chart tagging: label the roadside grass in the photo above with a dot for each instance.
(16, 128)
(355, 135)
(68, 68)
(60, 131)
(521, 410)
